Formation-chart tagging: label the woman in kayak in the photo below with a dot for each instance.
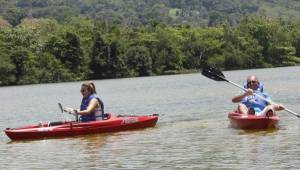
(251, 104)
(91, 108)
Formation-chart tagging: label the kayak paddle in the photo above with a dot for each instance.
(61, 108)
(217, 75)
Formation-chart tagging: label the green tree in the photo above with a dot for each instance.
(50, 69)
(25, 66)
(19, 56)
(7, 70)
(296, 41)
(99, 64)
(117, 65)
(73, 54)
(14, 16)
(169, 57)
(139, 61)
(215, 18)
(203, 46)
(273, 37)
(240, 49)
(68, 50)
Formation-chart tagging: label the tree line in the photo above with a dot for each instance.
(44, 51)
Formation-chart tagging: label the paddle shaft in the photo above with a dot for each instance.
(61, 108)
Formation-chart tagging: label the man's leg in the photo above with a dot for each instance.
(266, 110)
(242, 109)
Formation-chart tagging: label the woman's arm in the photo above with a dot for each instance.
(93, 104)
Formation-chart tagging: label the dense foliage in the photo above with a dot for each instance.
(42, 50)
(45, 41)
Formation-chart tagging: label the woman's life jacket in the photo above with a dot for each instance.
(97, 114)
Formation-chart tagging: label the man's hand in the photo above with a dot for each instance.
(279, 107)
(249, 92)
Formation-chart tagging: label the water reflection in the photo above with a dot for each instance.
(259, 132)
(93, 142)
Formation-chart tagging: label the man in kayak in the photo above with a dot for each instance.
(91, 108)
(252, 104)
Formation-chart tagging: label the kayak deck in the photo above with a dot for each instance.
(240, 121)
(72, 128)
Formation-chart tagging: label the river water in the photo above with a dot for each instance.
(192, 132)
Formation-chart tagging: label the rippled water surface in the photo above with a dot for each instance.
(192, 132)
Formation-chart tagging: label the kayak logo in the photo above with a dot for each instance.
(45, 129)
(128, 120)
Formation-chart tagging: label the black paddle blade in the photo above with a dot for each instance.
(213, 73)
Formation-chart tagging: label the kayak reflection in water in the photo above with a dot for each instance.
(91, 108)
(252, 104)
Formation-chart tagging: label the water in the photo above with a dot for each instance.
(192, 132)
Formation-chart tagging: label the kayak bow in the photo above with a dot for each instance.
(72, 128)
(240, 121)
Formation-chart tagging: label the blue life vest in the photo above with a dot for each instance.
(255, 102)
(91, 116)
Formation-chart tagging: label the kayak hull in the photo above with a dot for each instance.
(240, 121)
(72, 128)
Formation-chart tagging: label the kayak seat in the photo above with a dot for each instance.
(270, 113)
(55, 123)
(106, 116)
(251, 111)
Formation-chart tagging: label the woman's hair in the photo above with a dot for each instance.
(90, 86)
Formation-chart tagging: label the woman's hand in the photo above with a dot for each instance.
(70, 110)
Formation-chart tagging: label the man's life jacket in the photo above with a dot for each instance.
(255, 102)
(97, 114)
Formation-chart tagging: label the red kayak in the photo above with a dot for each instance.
(240, 121)
(72, 128)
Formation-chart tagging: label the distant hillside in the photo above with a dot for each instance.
(143, 12)
(281, 9)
